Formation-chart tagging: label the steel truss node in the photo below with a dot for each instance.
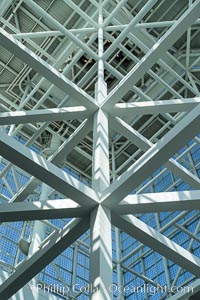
(89, 112)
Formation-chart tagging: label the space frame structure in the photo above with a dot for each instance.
(107, 104)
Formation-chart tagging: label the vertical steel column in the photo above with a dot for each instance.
(187, 63)
(166, 269)
(101, 255)
(1, 130)
(118, 257)
(18, 252)
(101, 230)
(74, 272)
(101, 172)
(39, 229)
(117, 235)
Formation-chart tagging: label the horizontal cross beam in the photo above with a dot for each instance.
(37, 210)
(159, 202)
(154, 107)
(43, 115)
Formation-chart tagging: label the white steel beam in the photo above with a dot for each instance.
(4, 6)
(44, 170)
(160, 24)
(151, 73)
(144, 144)
(154, 107)
(149, 39)
(145, 25)
(101, 254)
(165, 62)
(100, 218)
(72, 141)
(57, 158)
(100, 168)
(158, 242)
(161, 230)
(129, 27)
(50, 250)
(115, 11)
(43, 34)
(191, 179)
(157, 51)
(83, 14)
(158, 202)
(101, 172)
(120, 126)
(41, 12)
(37, 210)
(152, 159)
(119, 267)
(43, 115)
(48, 71)
(25, 190)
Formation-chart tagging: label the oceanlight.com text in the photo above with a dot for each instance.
(113, 288)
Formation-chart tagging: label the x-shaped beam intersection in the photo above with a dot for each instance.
(105, 202)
